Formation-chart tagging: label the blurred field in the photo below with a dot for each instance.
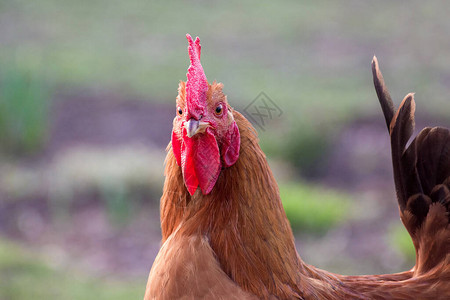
(87, 95)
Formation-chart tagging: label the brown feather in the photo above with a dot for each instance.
(186, 268)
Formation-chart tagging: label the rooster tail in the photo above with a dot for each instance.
(383, 94)
(422, 178)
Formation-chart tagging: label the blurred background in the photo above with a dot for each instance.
(87, 99)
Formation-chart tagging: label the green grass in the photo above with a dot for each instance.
(24, 276)
(313, 208)
(24, 109)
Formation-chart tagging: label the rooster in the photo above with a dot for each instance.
(225, 234)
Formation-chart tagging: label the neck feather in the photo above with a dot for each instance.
(243, 219)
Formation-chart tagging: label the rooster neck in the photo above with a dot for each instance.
(244, 221)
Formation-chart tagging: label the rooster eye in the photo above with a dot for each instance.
(219, 109)
(179, 111)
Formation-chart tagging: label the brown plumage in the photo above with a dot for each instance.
(236, 242)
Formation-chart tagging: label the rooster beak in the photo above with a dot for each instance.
(194, 126)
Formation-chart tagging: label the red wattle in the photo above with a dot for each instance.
(188, 164)
(200, 161)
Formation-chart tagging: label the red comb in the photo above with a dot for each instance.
(196, 84)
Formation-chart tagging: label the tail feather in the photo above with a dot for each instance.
(441, 194)
(434, 149)
(422, 178)
(401, 129)
(383, 94)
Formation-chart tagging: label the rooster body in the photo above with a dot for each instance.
(225, 234)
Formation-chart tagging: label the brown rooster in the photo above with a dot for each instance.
(225, 234)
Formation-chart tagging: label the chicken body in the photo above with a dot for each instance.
(224, 246)
(186, 268)
(235, 242)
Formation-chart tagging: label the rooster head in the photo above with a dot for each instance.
(205, 137)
